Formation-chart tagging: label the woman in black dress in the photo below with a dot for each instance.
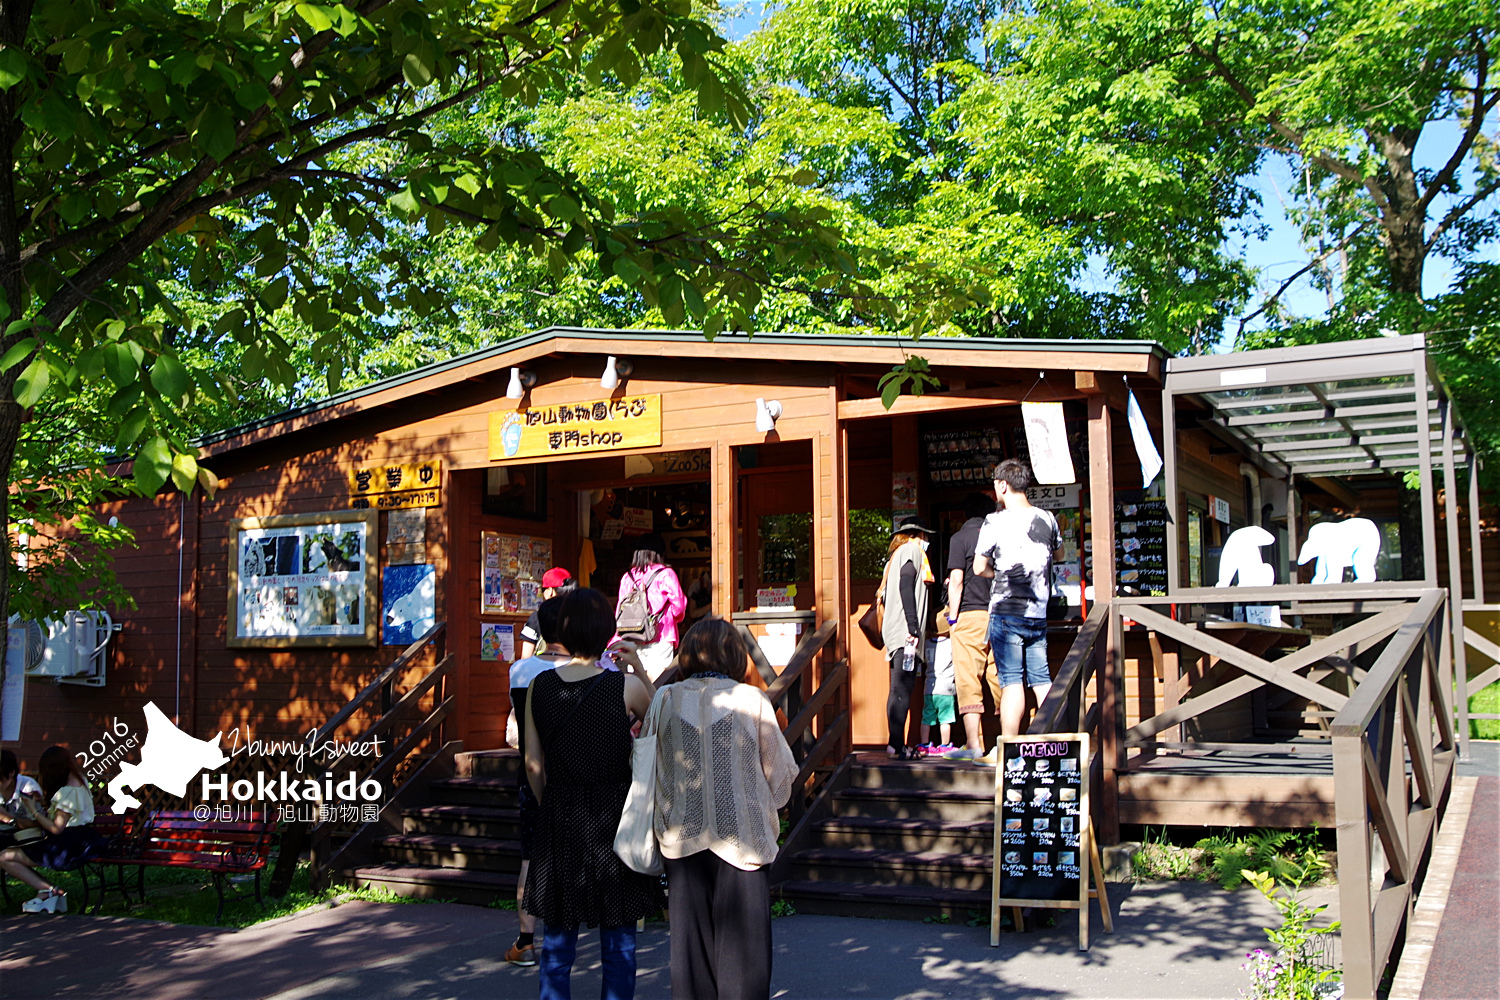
(578, 720)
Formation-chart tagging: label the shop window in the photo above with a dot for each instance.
(869, 541)
(1195, 547)
(516, 491)
(785, 548)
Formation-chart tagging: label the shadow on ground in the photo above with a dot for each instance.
(1172, 941)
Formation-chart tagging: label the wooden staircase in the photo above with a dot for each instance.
(894, 839)
(463, 843)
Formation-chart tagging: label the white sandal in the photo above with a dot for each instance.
(47, 901)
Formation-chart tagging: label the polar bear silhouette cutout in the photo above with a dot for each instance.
(1241, 557)
(1340, 544)
(170, 758)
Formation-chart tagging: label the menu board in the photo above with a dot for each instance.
(1041, 798)
(1140, 544)
(1043, 844)
(965, 458)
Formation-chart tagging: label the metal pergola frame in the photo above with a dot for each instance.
(1329, 418)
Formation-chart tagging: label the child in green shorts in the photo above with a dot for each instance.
(940, 701)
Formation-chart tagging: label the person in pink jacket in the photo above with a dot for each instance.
(656, 642)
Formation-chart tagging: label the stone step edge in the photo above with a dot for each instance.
(437, 841)
(433, 874)
(919, 895)
(899, 860)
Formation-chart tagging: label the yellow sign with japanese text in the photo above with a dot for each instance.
(379, 479)
(396, 501)
(574, 428)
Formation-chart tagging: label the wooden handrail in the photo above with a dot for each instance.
(806, 650)
(1368, 697)
(1073, 672)
(407, 702)
(369, 691)
(820, 750)
(794, 729)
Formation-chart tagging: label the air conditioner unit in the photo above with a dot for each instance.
(75, 648)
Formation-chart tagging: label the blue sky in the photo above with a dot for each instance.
(1277, 254)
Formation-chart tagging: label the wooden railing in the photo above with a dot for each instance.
(1062, 711)
(1468, 686)
(1382, 690)
(1393, 756)
(401, 719)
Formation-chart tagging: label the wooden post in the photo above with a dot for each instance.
(1455, 579)
(723, 498)
(1424, 457)
(1351, 815)
(1102, 515)
(1475, 557)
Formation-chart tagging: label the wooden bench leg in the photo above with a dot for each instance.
(259, 901)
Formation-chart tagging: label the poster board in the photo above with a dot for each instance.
(510, 572)
(304, 580)
(1043, 839)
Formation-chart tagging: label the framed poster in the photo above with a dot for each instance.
(408, 603)
(304, 580)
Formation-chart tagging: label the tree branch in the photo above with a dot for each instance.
(1480, 111)
(1320, 258)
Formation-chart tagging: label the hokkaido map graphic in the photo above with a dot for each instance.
(170, 758)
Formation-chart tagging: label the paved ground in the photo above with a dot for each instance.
(1465, 963)
(1171, 941)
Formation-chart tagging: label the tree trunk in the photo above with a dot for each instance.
(1402, 218)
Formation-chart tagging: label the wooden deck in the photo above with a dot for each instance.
(1230, 788)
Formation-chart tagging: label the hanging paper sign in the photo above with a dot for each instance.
(1047, 441)
(638, 520)
(576, 428)
(1145, 448)
(396, 478)
(1218, 509)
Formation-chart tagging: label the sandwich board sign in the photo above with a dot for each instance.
(1043, 839)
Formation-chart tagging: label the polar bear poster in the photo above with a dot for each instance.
(1241, 557)
(1339, 544)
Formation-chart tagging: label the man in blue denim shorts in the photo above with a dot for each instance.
(1015, 549)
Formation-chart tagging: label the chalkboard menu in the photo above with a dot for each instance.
(1140, 544)
(1042, 812)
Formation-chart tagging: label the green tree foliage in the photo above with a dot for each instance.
(156, 146)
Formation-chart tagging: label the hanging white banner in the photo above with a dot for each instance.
(1047, 440)
(1145, 448)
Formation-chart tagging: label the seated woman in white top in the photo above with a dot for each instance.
(68, 824)
(723, 769)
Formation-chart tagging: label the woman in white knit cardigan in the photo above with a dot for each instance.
(723, 769)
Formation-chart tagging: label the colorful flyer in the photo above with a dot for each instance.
(497, 642)
(491, 601)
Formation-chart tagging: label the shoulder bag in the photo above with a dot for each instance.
(869, 622)
(635, 837)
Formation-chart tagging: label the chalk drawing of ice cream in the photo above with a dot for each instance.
(510, 435)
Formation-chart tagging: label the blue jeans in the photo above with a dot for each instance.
(1020, 649)
(616, 951)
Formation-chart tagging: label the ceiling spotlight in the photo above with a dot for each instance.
(767, 412)
(520, 381)
(614, 370)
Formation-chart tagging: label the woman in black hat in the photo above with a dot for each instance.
(904, 625)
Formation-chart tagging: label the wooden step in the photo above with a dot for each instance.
(505, 764)
(929, 869)
(956, 836)
(901, 902)
(478, 888)
(464, 821)
(929, 773)
(499, 793)
(446, 851)
(955, 805)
